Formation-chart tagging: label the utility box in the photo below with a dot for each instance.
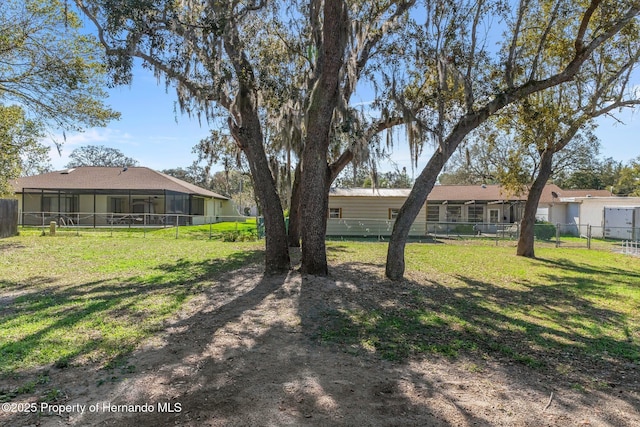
(622, 223)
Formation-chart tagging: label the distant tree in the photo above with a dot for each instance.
(397, 178)
(629, 180)
(599, 174)
(99, 155)
(236, 185)
(473, 164)
(367, 176)
(354, 176)
(194, 174)
(36, 160)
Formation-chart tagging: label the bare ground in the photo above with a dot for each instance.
(246, 352)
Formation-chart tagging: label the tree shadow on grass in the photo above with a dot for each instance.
(246, 357)
(549, 331)
(8, 246)
(343, 350)
(102, 313)
(568, 265)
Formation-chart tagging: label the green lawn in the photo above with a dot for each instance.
(481, 299)
(92, 298)
(69, 299)
(225, 231)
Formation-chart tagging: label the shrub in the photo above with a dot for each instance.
(465, 229)
(239, 236)
(544, 230)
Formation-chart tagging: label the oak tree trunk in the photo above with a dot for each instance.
(527, 226)
(323, 101)
(295, 224)
(276, 245)
(314, 207)
(246, 130)
(408, 213)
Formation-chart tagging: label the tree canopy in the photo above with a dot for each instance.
(545, 44)
(20, 149)
(49, 67)
(51, 80)
(99, 155)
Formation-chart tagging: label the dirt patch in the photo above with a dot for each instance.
(248, 352)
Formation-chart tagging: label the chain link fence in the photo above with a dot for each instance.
(236, 228)
(546, 234)
(229, 228)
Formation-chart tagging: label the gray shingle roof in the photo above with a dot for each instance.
(104, 178)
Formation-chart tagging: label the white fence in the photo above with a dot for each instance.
(630, 247)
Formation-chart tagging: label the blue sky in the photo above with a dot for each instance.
(152, 132)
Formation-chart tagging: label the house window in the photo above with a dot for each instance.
(197, 206)
(60, 203)
(393, 213)
(494, 216)
(178, 203)
(433, 213)
(454, 213)
(335, 213)
(138, 205)
(476, 213)
(117, 204)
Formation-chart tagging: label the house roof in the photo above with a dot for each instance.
(466, 193)
(586, 193)
(105, 178)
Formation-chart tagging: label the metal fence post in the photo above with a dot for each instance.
(177, 225)
(589, 236)
(557, 235)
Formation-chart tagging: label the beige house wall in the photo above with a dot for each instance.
(369, 216)
(85, 202)
(226, 208)
(373, 207)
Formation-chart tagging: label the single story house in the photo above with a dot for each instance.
(449, 208)
(98, 196)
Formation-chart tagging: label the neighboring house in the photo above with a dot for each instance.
(449, 208)
(589, 210)
(96, 196)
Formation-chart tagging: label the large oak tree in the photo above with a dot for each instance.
(294, 64)
(545, 44)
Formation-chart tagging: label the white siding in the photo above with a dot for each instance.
(369, 216)
(592, 208)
